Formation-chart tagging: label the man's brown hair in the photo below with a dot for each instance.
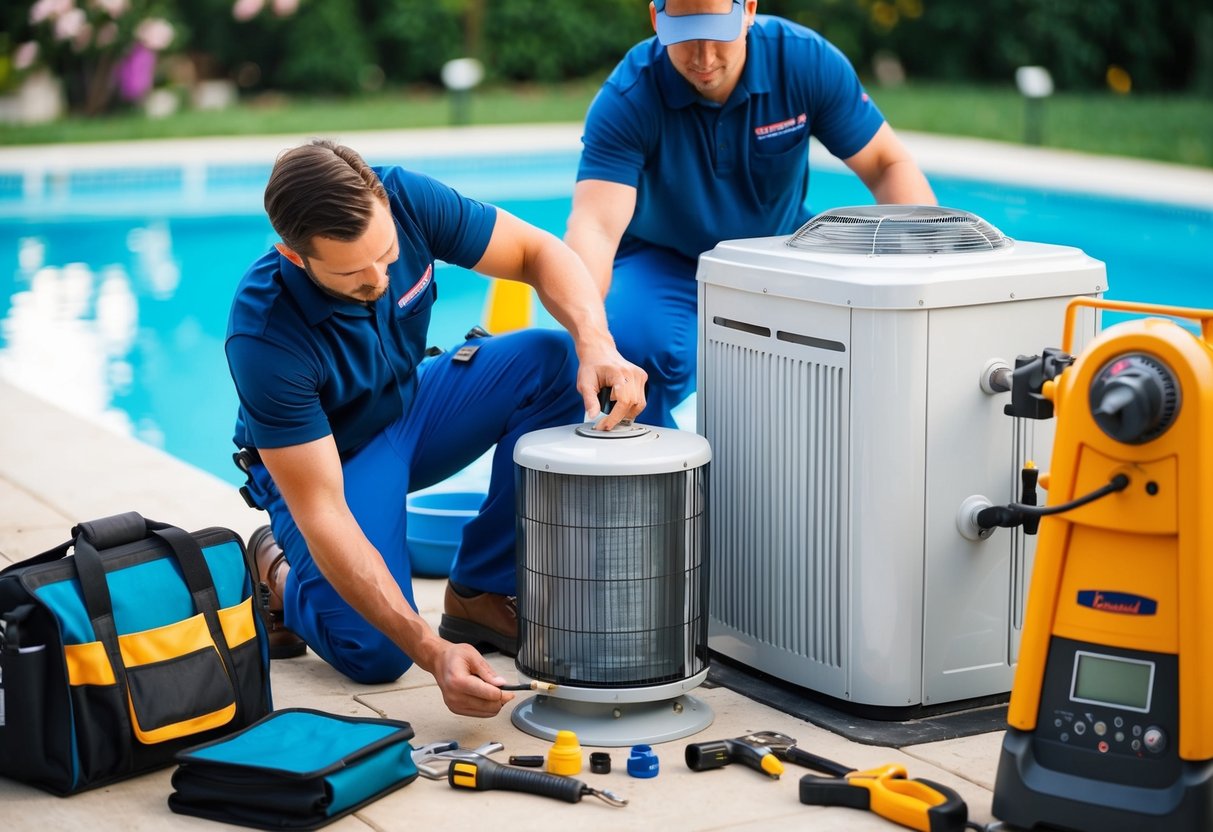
(321, 189)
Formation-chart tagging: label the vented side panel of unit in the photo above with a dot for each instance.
(612, 577)
(778, 429)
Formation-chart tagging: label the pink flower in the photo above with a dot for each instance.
(134, 73)
(83, 38)
(285, 8)
(114, 8)
(69, 24)
(25, 55)
(247, 9)
(48, 10)
(155, 33)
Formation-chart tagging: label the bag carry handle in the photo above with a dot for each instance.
(131, 527)
(105, 533)
(99, 603)
(115, 530)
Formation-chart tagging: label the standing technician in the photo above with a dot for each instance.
(701, 134)
(340, 418)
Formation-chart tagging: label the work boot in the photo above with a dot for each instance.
(485, 620)
(266, 563)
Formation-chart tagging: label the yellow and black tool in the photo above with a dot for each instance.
(1111, 714)
(917, 804)
(481, 774)
(703, 756)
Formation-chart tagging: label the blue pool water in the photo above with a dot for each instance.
(114, 287)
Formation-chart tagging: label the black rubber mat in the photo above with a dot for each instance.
(891, 727)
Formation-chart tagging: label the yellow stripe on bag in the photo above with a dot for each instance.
(181, 729)
(167, 642)
(87, 664)
(237, 623)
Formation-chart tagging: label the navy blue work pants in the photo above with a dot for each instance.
(652, 312)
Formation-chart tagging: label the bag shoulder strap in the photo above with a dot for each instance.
(49, 556)
(101, 613)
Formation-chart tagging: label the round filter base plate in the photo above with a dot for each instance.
(606, 724)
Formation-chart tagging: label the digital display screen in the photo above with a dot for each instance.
(1106, 680)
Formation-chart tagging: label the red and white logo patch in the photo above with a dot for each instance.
(780, 128)
(417, 288)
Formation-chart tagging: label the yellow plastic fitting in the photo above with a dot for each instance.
(565, 755)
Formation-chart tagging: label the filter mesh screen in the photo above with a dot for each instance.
(612, 583)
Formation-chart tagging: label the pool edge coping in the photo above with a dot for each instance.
(982, 159)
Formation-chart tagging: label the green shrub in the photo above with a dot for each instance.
(544, 40)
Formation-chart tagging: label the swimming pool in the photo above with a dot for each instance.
(115, 284)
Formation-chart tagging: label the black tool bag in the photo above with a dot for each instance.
(141, 643)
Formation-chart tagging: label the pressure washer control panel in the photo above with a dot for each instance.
(1109, 713)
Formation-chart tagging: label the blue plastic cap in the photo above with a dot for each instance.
(642, 762)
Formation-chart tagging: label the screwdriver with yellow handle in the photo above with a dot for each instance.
(917, 804)
(481, 774)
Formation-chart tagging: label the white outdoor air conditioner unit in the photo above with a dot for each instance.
(845, 387)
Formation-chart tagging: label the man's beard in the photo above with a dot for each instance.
(341, 295)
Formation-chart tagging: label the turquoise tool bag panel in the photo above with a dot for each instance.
(141, 643)
(295, 769)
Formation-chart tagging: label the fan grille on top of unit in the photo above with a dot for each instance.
(898, 229)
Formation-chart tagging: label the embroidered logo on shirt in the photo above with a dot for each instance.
(780, 128)
(417, 288)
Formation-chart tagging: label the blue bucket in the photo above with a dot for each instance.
(435, 527)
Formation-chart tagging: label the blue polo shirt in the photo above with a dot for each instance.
(706, 172)
(307, 364)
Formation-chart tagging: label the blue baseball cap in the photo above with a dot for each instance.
(679, 28)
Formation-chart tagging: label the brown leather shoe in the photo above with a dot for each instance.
(485, 620)
(266, 563)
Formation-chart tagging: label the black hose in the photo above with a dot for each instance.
(1118, 483)
(1015, 514)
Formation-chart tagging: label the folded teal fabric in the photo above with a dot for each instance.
(295, 769)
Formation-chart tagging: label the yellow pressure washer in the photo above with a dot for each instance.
(1111, 714)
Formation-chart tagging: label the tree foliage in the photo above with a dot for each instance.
(342, 46)
(1158, 46)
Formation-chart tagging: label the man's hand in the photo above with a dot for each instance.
(519, 251)
(469, 685)
(607, 368)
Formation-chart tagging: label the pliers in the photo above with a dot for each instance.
(917, 804)
(442, 752)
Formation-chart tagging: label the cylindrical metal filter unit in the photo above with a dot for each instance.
(612, 556)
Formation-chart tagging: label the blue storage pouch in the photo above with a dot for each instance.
(295, 769)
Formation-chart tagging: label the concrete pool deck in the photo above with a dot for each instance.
(57, 469)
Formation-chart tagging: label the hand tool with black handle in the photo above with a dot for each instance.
(483, 775)
(702, 756)
(917, 804)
